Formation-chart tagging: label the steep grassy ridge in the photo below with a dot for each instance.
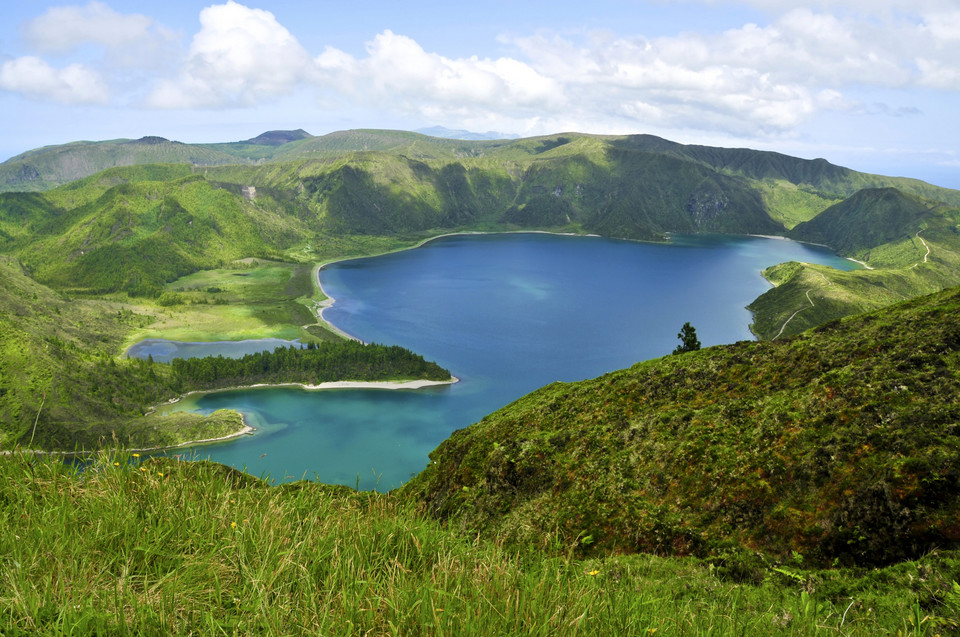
(577, 183)
(767, 166)
(874, 217)
(838, 444)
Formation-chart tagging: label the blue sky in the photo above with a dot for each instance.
(869, 84)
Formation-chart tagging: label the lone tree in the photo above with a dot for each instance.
(688, 339)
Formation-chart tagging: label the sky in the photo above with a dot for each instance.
(869, 84)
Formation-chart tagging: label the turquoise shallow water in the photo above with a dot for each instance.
(506, 314)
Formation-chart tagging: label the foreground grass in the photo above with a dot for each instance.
(169, 547)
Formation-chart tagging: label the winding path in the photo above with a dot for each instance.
(927, 255)
(812, 304)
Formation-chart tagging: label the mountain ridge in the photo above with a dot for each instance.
(55, 165)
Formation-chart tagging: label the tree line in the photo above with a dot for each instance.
(346, 360)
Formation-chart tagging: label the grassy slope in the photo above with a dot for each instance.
(60, 385)
(138, 235)
(841, 443)
(913, 244)
(874, 217)
(577, 182)
(51, 166)
(195, 548)
(262, 300)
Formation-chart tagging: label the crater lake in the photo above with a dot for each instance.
(506, 313)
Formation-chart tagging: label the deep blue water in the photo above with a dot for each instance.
(506, 314)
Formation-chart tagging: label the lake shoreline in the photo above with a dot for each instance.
(246, 430)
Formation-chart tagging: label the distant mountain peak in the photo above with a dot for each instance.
(449, 133)
(278, 137)
(151, 139)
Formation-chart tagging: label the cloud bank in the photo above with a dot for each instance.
(809, 58)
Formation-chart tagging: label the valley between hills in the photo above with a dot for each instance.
(815, 471)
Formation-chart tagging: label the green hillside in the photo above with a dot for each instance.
(61, 386)
(873, 217)
(910, 245)
(840, 444)
(134, 546)
(138, 235)
(767, 166)
(48, 167)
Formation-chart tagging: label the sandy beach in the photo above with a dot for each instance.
(336, 384)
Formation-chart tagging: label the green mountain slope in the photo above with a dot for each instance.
(44, 168)
(910, 245)
(870, 218)
(767, 166)
(48, 167)
(136, 235)
(841, 443)
(60, 384)
(557, 183)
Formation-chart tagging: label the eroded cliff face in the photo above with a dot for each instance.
(705, 206)
(26, 174)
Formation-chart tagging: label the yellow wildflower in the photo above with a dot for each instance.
(592, 573)
(136, 455)
(116, 464)
(143, 468)
(233, 525)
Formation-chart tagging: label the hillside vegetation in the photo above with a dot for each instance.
(163, 547)
(51, 166)
(839, 444)
(63, 387)
(911, 245)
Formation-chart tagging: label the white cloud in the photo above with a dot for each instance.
(240, 56)
(130, 40)
(33, 77)
(872, 7)
(752, 79)
(397, 67)
(766, 79)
